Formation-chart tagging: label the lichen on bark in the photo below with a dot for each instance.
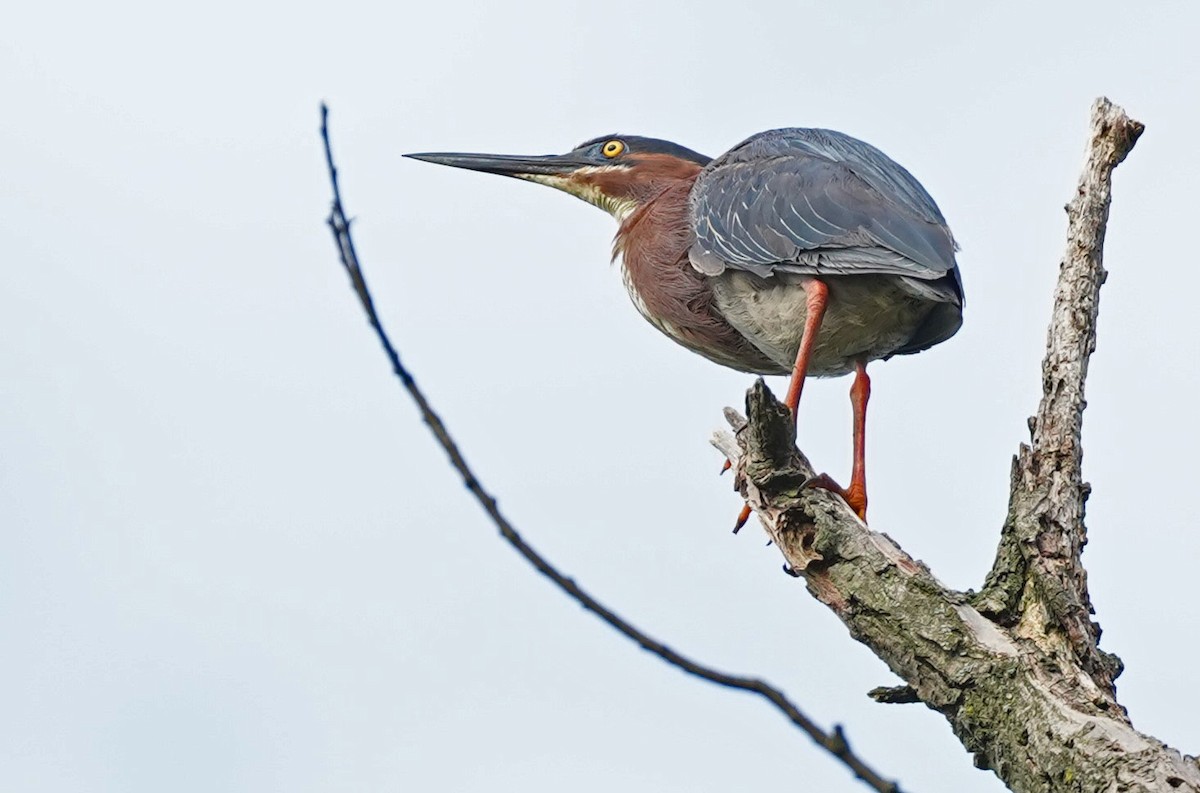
(1015, 668)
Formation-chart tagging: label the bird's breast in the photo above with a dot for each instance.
(652, 245)
(678, 301)
(640, 303)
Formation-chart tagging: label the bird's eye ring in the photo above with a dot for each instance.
(612, 148)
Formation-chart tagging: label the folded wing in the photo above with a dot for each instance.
(819, 202)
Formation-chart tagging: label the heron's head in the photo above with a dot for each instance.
(616, 172)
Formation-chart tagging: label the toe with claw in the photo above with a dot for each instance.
(855, 496)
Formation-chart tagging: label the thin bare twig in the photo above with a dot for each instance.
(833, 742)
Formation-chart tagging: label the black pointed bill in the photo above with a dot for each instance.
(568, 172)
(507, 164)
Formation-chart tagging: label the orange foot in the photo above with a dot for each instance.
(742, 517)
(855, 496)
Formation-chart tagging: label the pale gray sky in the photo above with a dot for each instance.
(231, 558)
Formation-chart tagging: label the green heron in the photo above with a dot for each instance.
(801, 251)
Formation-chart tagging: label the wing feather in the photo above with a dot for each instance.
(817, 201)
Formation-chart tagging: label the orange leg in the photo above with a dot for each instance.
(816, 298)
(816, 295)
(856, 494)
(860, 393)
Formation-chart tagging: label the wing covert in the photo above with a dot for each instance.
(816, 201)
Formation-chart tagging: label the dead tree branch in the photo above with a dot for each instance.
(1016, 669)
(834, 742)
(1039, 562)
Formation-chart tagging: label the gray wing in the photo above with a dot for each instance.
(819, 202)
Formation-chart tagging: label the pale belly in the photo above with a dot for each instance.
(868, 317)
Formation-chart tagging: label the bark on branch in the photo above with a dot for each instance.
(1038, 566)
(1016, 669)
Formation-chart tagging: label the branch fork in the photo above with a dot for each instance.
(1015, 668)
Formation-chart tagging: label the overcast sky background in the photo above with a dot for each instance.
(232, 559)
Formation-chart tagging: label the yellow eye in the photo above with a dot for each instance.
(612, 148)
